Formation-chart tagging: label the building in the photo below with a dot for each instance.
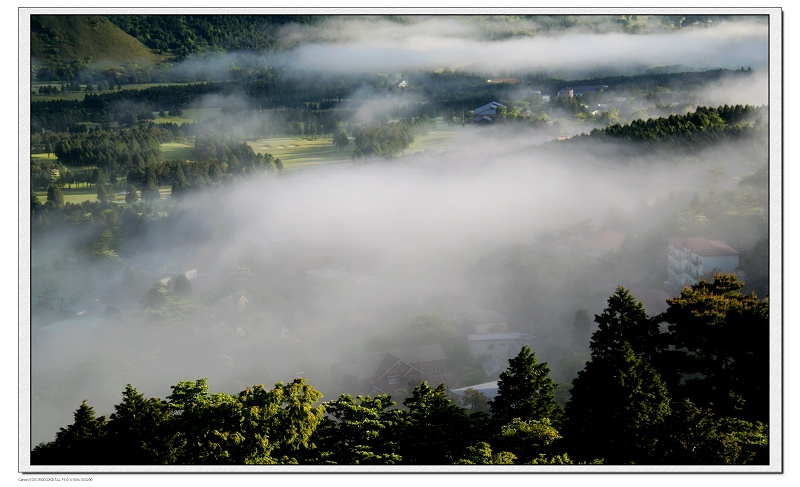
(470, 317)
(486, 114)
(570, 91)
(500, 345)
(690, 259)
(396, 371)
(488, 389)
(605, 242)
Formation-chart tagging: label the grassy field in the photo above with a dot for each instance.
(177, 150)
(438, 138)
(44, 157)
(296, 153)
(191, 115)
(75, 196)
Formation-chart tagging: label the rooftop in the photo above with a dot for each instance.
(701, 246)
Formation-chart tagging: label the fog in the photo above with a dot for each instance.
(332, 260)
(427, 43)
(365, 44)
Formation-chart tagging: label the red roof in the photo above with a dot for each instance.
(701, 246)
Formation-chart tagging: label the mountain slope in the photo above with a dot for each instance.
(84, 38)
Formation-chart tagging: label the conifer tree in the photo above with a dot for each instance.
(526, 391)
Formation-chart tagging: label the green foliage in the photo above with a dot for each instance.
(193, 427)
(388, 140)
(526, 391)
(54, 196)
(360, 431)
(182, 286)
(624, 320)
(696, 436)
(722, 335)
(436, 431)
(341, 140)
(136, 431)
(481, 454)
(526, 440)
(475, 401)
(617, 406)
(80, 443)
(131, 195)
(704, 124)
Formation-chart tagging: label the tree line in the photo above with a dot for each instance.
(687, 387)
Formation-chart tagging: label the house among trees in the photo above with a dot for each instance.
(500, 345)
(470, 317)
(604, 243)
(690, 259)
(487, 389)
(396, 371)
(570, 91)
(486, 114)
(504, 81)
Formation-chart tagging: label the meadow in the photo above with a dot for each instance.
(299, 152)
(295, 153)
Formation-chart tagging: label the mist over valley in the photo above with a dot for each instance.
(268, 256)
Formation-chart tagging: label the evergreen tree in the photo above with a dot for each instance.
(81, 443)
(617, 406)
(436, 429)
(136, 430)
(696, 436)
(722, 338)
(360, 431)
(183, 287)
(131, 195)
(54, 196)
(625, 320)
(35, 203)
(525, 391)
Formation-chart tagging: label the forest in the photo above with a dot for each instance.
(182, 249)
(650, 413)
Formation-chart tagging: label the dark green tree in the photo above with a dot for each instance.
(436, 431)
(54, 196)
(35, 203)
(360, 431)
(182, 287)
(625, 320)
(81, 443)
(137, 433)
(340, 139)
(617, 407)
(105, 193)
(696, 436)
(525, 391)
(481, 454)
(131, 195)
(722, 340)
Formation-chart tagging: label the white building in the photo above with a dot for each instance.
(690, 259)
(500, 345)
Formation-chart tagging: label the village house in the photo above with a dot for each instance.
(500, 345)
(486, 114)
(396, 371)
(570, 91)
(690, 259)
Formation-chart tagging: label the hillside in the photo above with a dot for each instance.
(69, 39)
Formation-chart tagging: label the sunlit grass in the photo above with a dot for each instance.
(296, 153)
(75, 196)
(177, 150)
